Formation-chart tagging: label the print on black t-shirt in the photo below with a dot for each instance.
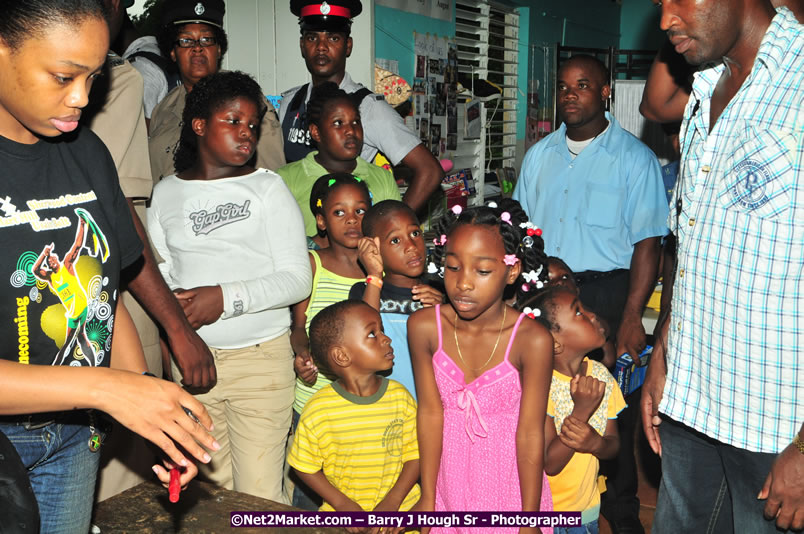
(67, 289)
(66, 231)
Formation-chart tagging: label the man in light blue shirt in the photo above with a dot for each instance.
(597, 193)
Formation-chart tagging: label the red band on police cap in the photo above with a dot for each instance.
(325, 9)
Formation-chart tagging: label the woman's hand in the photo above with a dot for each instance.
(155, 409)
(186, 474)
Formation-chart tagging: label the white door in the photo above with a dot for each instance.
(264, 42)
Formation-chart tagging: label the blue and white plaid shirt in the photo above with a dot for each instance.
(735, 365)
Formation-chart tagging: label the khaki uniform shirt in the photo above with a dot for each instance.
(116, 115)
(119, 121)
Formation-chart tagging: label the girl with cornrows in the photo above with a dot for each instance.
(482, 377)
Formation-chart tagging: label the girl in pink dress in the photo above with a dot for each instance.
(483, 370)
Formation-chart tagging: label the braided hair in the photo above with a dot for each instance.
(544, 301)
(324, 96)
(528, 246)
(208, 95)
(324, 186)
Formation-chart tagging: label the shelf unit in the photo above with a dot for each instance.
(487, 38)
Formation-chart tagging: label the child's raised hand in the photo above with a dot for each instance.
(305, 368)
(580, 435)
(202, 305)
(368, 252)
(586, 393)
(427, 295)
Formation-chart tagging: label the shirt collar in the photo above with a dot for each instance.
(776, 40)
(558, 141)
(311, 165)
(346, 82)
(769, 55)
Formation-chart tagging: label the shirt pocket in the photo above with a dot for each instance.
(760, 174)
(604, 205)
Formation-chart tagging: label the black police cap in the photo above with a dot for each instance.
(329, 15)
(190, 11)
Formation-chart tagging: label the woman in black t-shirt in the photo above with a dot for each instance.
(66, 234)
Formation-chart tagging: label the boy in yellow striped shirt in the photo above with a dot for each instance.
(356, 444)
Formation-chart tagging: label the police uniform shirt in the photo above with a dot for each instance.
(383, 128)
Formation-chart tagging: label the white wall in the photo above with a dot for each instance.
(264, 42)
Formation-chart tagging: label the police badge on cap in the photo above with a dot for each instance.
(326, 15)
(194, 11)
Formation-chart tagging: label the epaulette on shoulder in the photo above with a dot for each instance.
(290, 91)
(113, 60)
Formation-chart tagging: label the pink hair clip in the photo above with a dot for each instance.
(457, 209)
(443, 240)
(506, 217)
(510, 259)
(525, 287)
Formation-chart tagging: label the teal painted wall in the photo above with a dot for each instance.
(522, 78)
(585, 23)
(590, 23)
(393, 36)
(639, 25)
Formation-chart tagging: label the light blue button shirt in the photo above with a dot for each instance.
(595, 208)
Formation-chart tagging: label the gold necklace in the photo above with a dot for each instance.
(499, 334)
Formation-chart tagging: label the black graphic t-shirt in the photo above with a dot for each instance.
(66, 233)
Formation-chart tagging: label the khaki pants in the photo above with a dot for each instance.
(250, 407)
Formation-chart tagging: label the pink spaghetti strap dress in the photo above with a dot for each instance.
(478, 470)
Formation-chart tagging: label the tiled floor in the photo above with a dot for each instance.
(649, 471)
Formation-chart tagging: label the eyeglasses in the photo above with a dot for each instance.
(186, 42)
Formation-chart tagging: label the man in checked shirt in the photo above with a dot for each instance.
(723, 402)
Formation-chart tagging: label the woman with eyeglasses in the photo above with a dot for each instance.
(192, 35)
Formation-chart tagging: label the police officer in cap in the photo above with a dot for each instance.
(193, 37)
(325, 44)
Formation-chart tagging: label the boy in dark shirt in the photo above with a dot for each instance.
(393, 244)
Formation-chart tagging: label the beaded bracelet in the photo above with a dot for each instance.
(373, 280)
